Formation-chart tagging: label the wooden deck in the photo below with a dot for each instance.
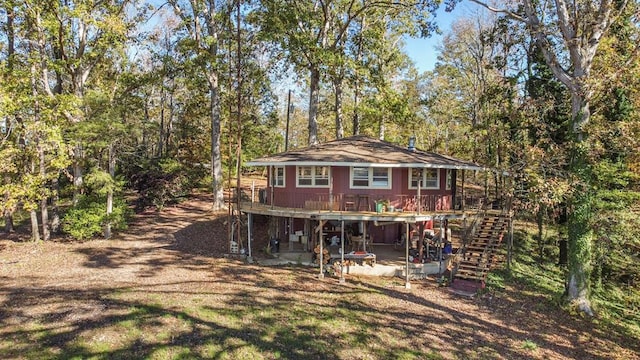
(316, 213)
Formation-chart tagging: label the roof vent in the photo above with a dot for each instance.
(412, 143)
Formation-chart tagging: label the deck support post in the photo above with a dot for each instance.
(439, 250)
(321, 241)
(462, 201)
(249, 226)
(342, 281)
(407, 284)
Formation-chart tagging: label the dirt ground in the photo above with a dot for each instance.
(68, 289)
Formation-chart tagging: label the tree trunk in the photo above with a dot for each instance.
(356, 103)
(44, 212)
(8, 212)
(314, 94)
(580, 214)
(147, 119)
(169, 131)
(337, 83)
(8, 221)
(216, 155)
(356, 79)
(35, 232)
(112, 170)
(77, 173)
(55, 211)
(162, 107)
(46, 234)
(540, 223)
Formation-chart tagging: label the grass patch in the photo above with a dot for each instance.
(529, 345)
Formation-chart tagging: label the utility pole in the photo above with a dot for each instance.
(286, 135)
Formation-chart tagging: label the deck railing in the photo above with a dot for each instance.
(367, 202)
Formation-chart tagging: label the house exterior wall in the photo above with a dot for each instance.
(400, 196)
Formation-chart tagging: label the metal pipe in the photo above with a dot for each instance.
(407, 284)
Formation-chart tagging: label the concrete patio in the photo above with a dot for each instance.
(389, 261)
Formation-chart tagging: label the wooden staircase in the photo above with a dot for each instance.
(479, 255)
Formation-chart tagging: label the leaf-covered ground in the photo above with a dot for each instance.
(164, 290)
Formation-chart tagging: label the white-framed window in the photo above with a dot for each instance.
(312, 176)
(449, 178)
(370, 177)
(278, 176)
(430, 178)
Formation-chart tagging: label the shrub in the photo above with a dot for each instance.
(88, 218)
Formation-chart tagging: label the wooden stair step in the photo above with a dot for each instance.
(485, 236)
(469, 256)
(469, 277)
(485, 233)
(487, 229)
(471, 271)
(474, 254)
(483, 240)
(472, 265)
(481, 245)
(479, 249)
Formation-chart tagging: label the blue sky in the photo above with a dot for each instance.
(423, 51)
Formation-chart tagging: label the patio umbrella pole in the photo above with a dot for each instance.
(407, 284)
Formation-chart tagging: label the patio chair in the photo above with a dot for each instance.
(349, 203)
(368, 243)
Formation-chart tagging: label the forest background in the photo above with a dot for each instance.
(101, 97)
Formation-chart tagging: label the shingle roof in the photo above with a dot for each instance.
(363, 151)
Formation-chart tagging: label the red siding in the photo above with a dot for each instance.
(400, 196)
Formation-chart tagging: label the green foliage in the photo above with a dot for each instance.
(619, 307)
(616, 222)
(89, 216)
(162, 181)
(529, 345)
(100, 182)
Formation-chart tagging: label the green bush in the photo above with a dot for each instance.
(89, 217)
